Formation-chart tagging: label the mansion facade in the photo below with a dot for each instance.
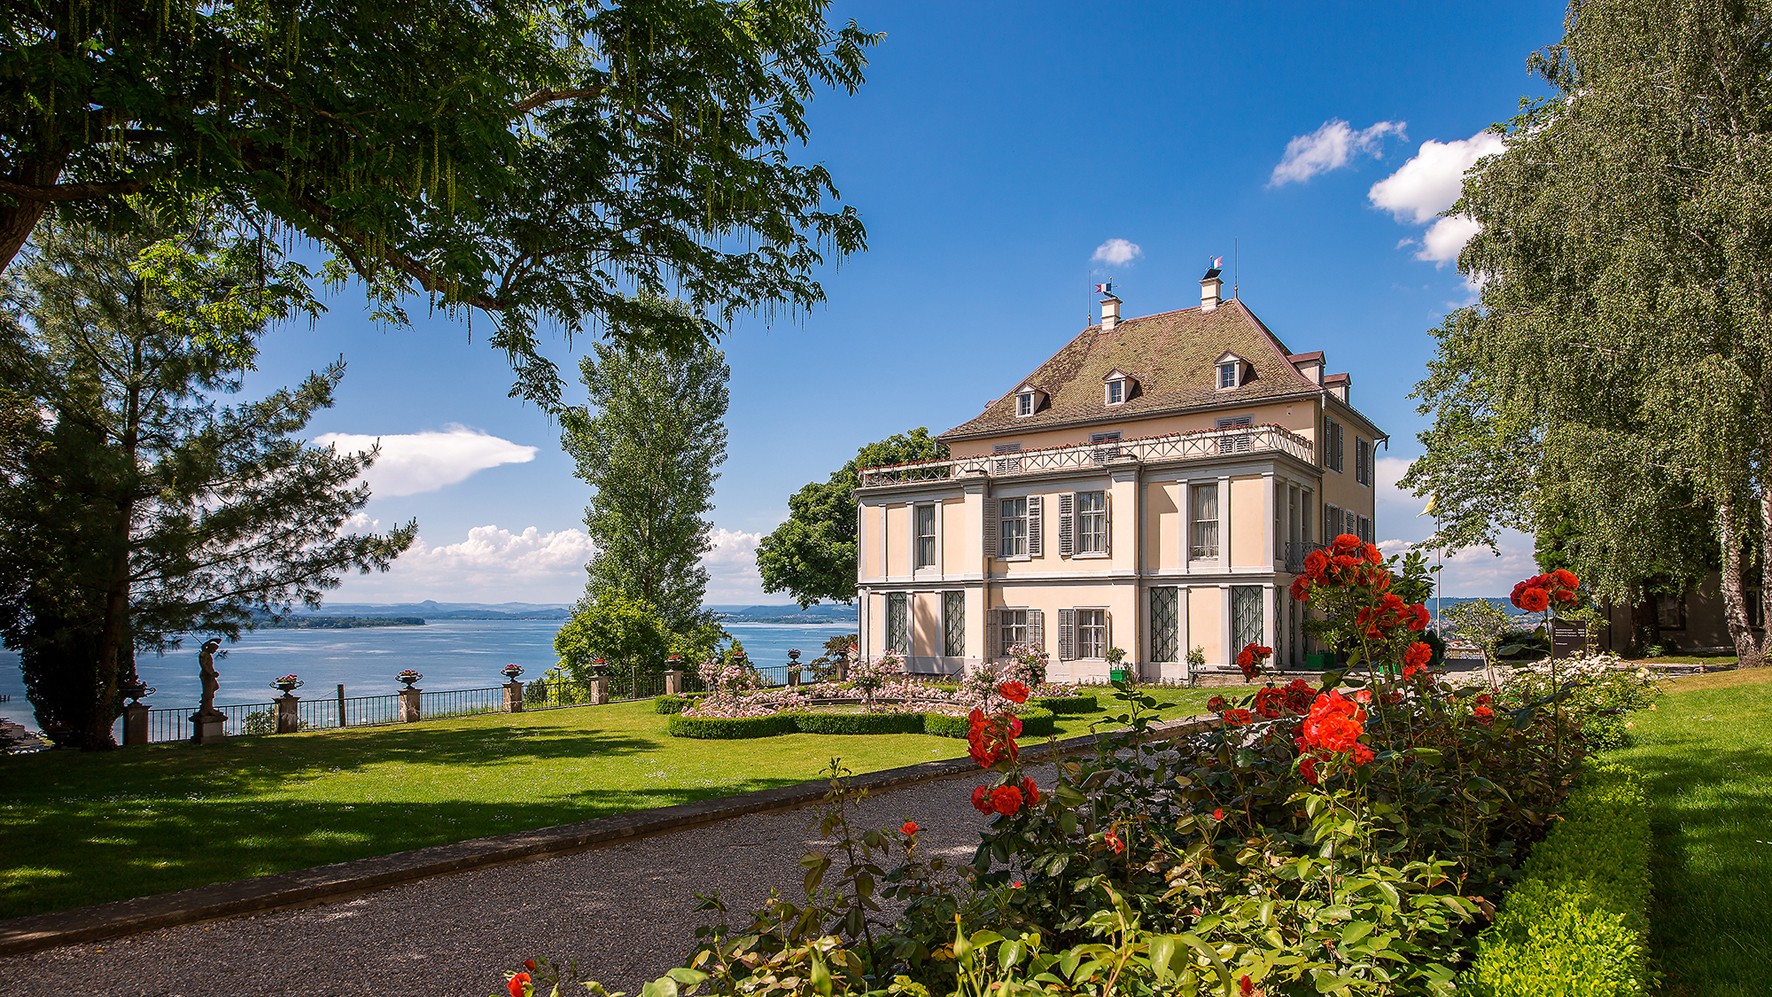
(1153, 487)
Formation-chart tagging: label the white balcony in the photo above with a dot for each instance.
(1206, 444)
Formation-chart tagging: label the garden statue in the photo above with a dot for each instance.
(208, 722)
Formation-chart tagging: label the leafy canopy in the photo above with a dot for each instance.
(812, 554)
(533, 160)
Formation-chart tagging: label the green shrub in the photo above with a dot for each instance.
(1576, 923)
(942, 725)
(669, 705)
(1082, 702)
(858, 723)
(728, 728)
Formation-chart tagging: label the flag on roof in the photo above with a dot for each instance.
(1217, 262)
(1107, 288)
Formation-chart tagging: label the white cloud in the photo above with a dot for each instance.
(412, 463)
(1428, 184)
(1117, 252)
(1330, 148)
(1473, 571)
(493, 564)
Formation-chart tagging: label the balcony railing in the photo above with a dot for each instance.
(1296, 553)
(1202, 445)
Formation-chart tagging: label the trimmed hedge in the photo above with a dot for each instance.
(1035, 721)
(1082, 702)
(1577, 922)
(858, 723)
(670, 704)
(729, 728)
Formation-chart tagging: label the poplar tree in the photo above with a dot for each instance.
(528, 160)
(146, 504)
(1617, 372)
(649, 444)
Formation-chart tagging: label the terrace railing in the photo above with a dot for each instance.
(1201, 445)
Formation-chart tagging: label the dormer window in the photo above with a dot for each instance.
(1230, 372)
(1024, 404)
(1116, 391)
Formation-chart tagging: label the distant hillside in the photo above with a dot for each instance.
(788, 614)
(318, 622)
(432, 610)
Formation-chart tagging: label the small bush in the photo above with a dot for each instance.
(858, 723)
(942, 725)
(1576, 923)
(1082, 702)
(669, 705)
(729, 728)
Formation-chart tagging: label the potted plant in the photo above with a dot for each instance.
(134, 689)
(600, 667)
(409, 676)
(794, 666)
(288, 683)
(1116, 670)
(511, 671)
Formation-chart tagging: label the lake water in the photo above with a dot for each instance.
(452, 654)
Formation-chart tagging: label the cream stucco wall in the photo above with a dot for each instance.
(898, 540)
(959, 538)
(1164, 526)
(1205, 623)
(1250, 523)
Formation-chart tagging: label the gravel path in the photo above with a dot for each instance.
(625, 913)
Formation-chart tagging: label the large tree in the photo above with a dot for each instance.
(812, 554)
(649, 443)
(144, 505)
(1617, 372)
(531, 159)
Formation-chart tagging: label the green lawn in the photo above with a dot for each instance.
(1706, 756)
(78, 829)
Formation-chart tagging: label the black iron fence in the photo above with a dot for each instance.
(324, 713)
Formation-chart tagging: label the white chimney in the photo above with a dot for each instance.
(1211, 290)
(1110, 313)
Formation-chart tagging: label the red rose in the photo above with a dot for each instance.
(519, 985)
(1534, 600)
(1215, 704)
(1374, 556)
(1030, 791)
(1015, 692)
(1218, 813)
(1334, 724)
(1483, 714)
(1006, 800)
(529, 964)
(1315, 563)
(1307, 767)
(1244, 987)
(1362, 754)
(1418, 654)
(1114, 842)
(1238, 718)
(910, 827)
(1270, 701)
(1564, 578)
(1301, 589)
(981, 799)
(1345, 543)
(1420, 622)
(1364, 696)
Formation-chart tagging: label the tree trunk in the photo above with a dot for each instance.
(1734, 564)
(17, 222)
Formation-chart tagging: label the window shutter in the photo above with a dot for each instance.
(993, 634)
(1036, 520)
(1107, 522)
(993, 509)
(1037, 627)
(1067, 634)
(1067, 518)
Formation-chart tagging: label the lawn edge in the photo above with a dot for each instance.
(276, 891)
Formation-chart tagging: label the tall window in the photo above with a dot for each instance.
(1331, 523)
(953, 624)
(1012, 628)
(1116, 391)
(1012, 531)
(1227, 374)
(1092, 633)
(1024, 403)
(1332, 455)
(1165, 624)
(1092, 523)
(1204, 514)
(1246, 621)
(898, 622)
(925, 530)
(1362, 461)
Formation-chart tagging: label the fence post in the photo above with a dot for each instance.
(599, 690)
(135, 725)
(674, 682)
(287, 722)
(409, 704)
(513, 696)
(341, 704)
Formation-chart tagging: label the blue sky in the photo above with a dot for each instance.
(1004, 157)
